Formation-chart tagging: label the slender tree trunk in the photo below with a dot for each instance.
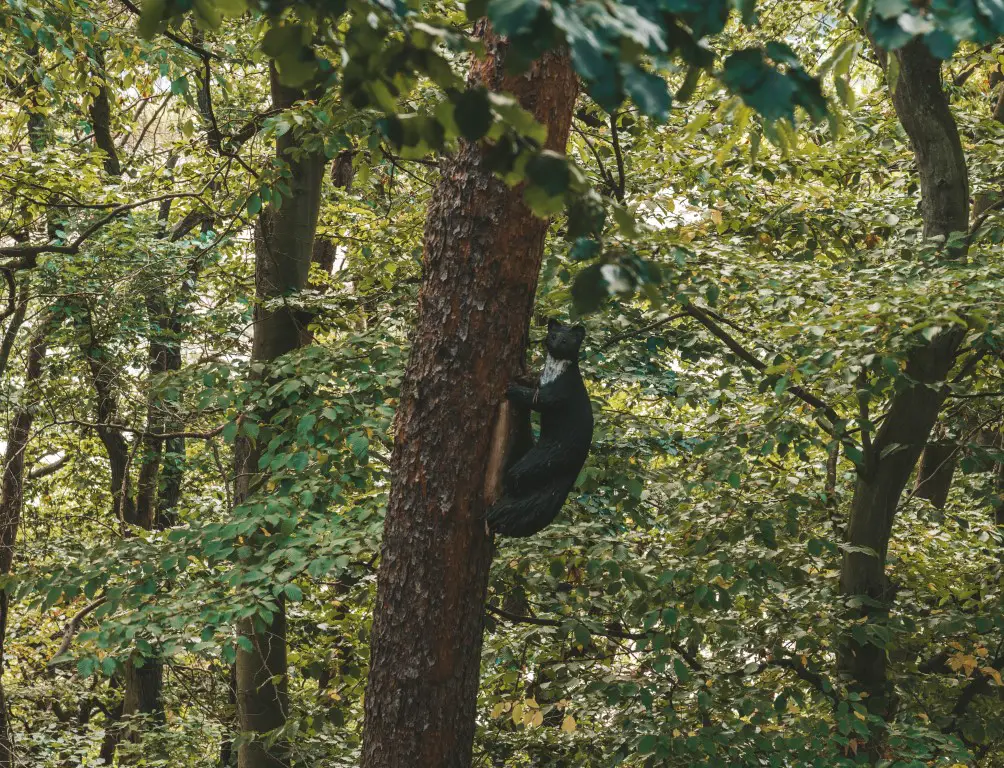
(101, 119)
(12, 505)
(923, 109)
(483, 249)
(12, 481)
(14, 323)
(984, 200)
(284, 242)
(939, 461)
(935, 472)
(227, 742)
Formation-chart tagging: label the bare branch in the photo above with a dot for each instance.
(748, 357)
(71, 630)
(44, 470)
(639, 331)
(26, 256)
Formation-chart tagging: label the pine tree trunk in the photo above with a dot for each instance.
(483, 250)
(284, 244)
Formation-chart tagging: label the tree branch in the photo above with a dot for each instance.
(608, 631)
(44, 470)
(196, 49)
(71, 629)
(621, 180)
(744, 354)
(639, 331)
(26, 256)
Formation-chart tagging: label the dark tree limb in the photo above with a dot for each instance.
(26, 256)
(198, 50)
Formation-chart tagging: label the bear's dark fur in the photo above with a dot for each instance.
(537, 483)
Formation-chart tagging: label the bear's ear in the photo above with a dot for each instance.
(580, 333)
(552, 324)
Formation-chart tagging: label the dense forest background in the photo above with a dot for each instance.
(268, 266)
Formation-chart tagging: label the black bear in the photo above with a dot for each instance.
(537, 483)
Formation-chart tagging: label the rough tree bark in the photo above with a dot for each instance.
(284, 242)
(483, 249)
(12, 504)
(923, 109)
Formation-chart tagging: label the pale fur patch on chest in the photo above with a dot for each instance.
(552, 369)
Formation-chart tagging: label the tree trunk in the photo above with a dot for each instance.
(938, 463)
(12, 505)
(984, 200)
(923, 109)
(935, 472)
(101, 119)
(12, 480)
(284, 241)
(483, 249)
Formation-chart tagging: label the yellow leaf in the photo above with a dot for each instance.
(497, 710)
(568, 724)
(537, 720)
(991, 672)
(962, 661)
(532, 703)
(517, 714)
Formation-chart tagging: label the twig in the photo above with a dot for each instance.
(639, 331)
(621, 181)
(608, 631)
(866, 435)
(981, 219)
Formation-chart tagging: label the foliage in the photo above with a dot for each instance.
(685, 607)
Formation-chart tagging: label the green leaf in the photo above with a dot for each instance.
(649, 91)
(634, 488)
(151, 17)
(589, 289)
(549, 171)
(359, 444)
(510, 17)
(472, 113)
(647, 744)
